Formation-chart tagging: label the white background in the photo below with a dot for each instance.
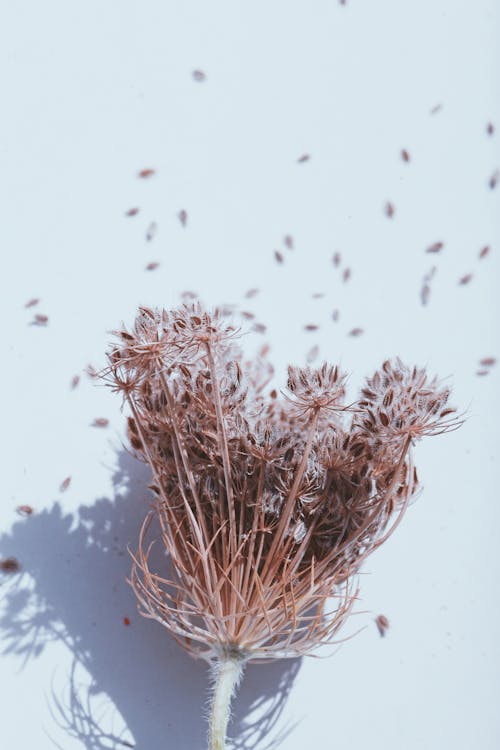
(91, 93)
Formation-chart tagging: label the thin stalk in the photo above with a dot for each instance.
(228, 672)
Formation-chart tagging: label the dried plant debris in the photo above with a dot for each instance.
(312, 354)
(484, 252)
(490, 128)
(311, 327)
(40, 320)
(382, 624)
(335, 316)
(437, 108)
(425, 289)
(278, 256)
(32, 302)
(259, 328)
(389, 209)
(346, 275)
(199, 76)
(356, 332)
(75, 380)
(151, 231)
(302, 159)
(132, 212)
(91, 371)
(436, 247)
(65, 484)
(268, 505)
(10, 565)
(144, 174)
(24, 510)
(336, 259)
(252, 293)
(288, 241)
(405, 156)
(488, 361)
(189, 295)
(100, 422)
(183, 217)
(152, 266)
(466, 279)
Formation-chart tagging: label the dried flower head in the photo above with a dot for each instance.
(267, 506)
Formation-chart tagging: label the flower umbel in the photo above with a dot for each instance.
(267, 505)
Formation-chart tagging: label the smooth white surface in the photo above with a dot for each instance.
(92, 92)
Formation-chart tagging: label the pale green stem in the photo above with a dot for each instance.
(228, 673)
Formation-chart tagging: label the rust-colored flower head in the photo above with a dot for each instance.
(267, 506)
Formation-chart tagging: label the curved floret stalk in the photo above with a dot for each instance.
(267, 504)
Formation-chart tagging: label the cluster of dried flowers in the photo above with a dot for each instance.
(268, 504)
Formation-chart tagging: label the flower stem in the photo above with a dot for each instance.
(228, 672)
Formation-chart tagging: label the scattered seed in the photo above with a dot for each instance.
(288, 240)
(318, 295)
(389, 210)
(247, 315)
(74, 381)
(490, 128)
(100, 422)
(145, 173)
(405, 155)
(183, 217)
(335, 316)
(126, 621)
(32, 302)
(259, 328)
(65, 484)
(10, 565)
(382, 624)
(40, 320)
(465, 279)
(311, 327)
(312, 354)
(336, 258)
(437, 108)
(435, 248)
(278, 256)
(484, 252)
(346, 275)
(251, 293)
(91, 371)
(425, 294)
(303, 158)
(482, 372)
(199, 76)
(493, 181)
(24, 510)
(356, 331)
(487, 361)
(152, 266)
(132, 212)
(189, 295)
(151, 231)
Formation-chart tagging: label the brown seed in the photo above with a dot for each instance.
(32, 302)
(74, 381)
(247, 315)
(465, 279)
(10, 565)
(251, 293)
(259, 328)
(435, 248)
(303, 158)
(356, 331)
(40, 320)
(382, 624)
(484, 252)
(487, 361)
(336, 258)
(437, 108)
(199, 76)
(312, 354)
(288, 240)
(145, 173)
(183, 217)
(24, 510)
(132, 212)
(278, 256)
(490, 128)
(311, 327)
(126, 621)
(389, 210)
(346, 275)
(151, 231)
(100, 422)
(65, 484)
(152, 266)
(493, 181)
(482, 372)
(405, 155)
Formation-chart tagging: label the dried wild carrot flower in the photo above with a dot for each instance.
(267, 506)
